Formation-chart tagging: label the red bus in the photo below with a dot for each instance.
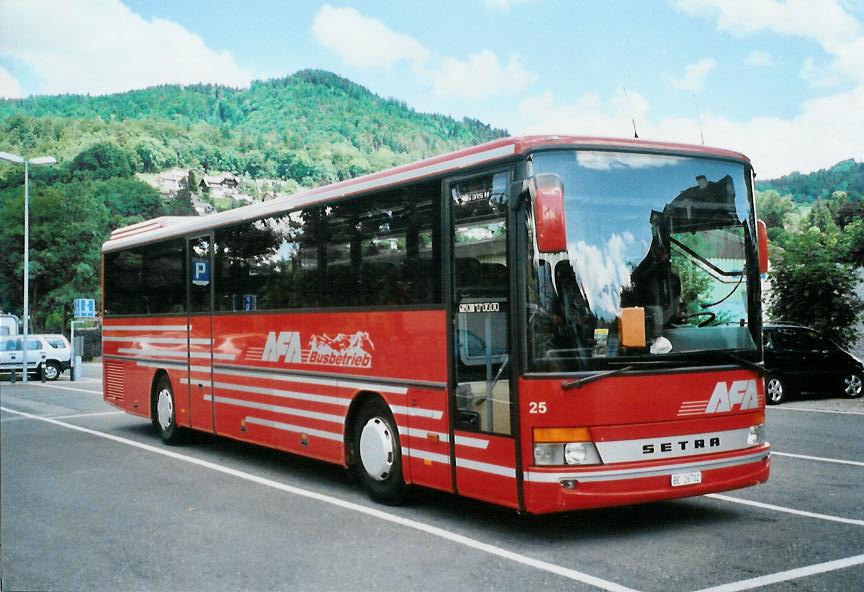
(546, 323)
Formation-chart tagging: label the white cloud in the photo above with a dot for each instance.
(10, 88)
(589, 115)
(694, 75)
(824, 21)
(101, 46)
(818, 75)
(364, 42)
(481, 76)
(825, 131)
(760, 59)
(504, 5)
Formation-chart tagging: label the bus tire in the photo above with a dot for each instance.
(378, 453)
(775, 390)
(52, 370)
(165, 413)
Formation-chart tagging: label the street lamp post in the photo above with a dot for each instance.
(39, 160)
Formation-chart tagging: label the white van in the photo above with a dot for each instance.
(12, 355)
(8, 324)
(59, 354)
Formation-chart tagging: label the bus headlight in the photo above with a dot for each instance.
(566, 453)
(564, 446)
(581, 453)
(548, 454)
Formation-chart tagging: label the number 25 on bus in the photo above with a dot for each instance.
(546, 323)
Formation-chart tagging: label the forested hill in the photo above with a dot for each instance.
(312, 127)
(846, 176)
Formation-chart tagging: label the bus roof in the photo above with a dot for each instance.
(497, 150)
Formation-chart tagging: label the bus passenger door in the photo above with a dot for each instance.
(481, 403)
(200, 360)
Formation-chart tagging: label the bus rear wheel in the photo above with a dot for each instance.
(164, 412)
(378, 454)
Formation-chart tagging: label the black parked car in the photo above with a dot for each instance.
(800, 359)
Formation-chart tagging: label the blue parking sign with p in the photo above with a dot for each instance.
(200, 272)
(84, 308)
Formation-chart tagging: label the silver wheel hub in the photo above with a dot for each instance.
(377, 450)
(853, 385)
(775, 390)
(51, 372)
(165, 409)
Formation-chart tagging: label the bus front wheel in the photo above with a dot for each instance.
(378, 454)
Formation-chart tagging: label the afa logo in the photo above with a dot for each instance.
(741, 393)
(345, 350)
(286, 345)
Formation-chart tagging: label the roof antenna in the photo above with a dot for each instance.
(698, 119)
(627, 100)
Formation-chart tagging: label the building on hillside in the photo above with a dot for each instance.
(171, 181)
(218, 186)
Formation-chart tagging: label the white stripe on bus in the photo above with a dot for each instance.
(109, 328)
(278, 425)
(464, 463)
(277, 409)
(177, 365)
(173, 354)
(169, 340)
(416, 412)
(425, 454)
(335, 382)
(344, 402)
(476, 465)
(444, 437)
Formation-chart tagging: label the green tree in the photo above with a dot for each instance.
(822, 217)
(810, 287)
(852, 242)
(67, 228)
(128, 200)
(102, 161)
(773, 207)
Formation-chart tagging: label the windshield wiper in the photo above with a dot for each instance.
(580, 382)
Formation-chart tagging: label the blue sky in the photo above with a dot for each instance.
(782, 81)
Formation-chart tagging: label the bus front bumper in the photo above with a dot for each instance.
(559, 489)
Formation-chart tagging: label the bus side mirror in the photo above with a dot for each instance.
(762, 235)
(547, 195)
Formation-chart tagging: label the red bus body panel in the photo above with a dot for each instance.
(659, 410)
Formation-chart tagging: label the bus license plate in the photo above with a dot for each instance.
(680, 479)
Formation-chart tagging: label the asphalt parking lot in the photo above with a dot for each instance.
(92, 500)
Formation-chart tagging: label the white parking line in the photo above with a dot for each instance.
(88, 414)
(785, 576)
(436, 531)
(744, 502)
(787, 408)
(838, 461)
(69, 388)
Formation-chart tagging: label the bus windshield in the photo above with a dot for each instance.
(670, 237)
